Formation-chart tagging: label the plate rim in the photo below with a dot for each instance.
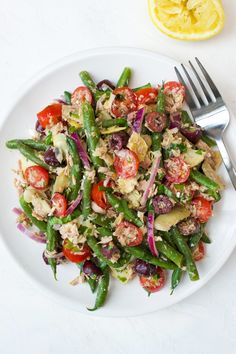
(18, 95)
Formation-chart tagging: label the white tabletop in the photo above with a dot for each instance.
(32, 35)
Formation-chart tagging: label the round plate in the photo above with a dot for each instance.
(123, 300)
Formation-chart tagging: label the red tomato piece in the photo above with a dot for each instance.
(60, 203)
(201, 209)
(147, 95)
(155, 282)
(37, 177)
(174, 88)
(74, 253)
(124, 103)
(81, 94)
(50, 115)
(99, 197)
(199, 252)
(129, 234)
(126, 163)
(177, 170)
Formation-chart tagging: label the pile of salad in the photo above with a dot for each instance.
(120, 182)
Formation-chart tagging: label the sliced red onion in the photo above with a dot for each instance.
(105, 84)
(154, 170)
(97, 208)
(17, 211)
(74, 204)
(36, 236)
(61, 100)
(81, 150)
(138, 121)
(130, 118)
(175, 120)
(150, 233)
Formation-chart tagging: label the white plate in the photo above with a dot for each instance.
(123, 300)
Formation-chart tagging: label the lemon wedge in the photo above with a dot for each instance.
(188, 19)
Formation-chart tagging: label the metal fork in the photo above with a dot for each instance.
(211, 113)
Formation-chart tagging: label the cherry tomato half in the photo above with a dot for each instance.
(174, 88)
(74, 253)
(147, 95)
(128, 234)
(124, 103)
(199, 252)
(155, 282)
(60, 203)
(37, 177)
(126, 163)
(50, 115)
(81, 94)
(177, 171)
(201, 209)
(99, 197)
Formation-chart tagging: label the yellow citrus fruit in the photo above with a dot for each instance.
(188, 19)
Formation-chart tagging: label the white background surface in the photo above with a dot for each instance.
(32, 35)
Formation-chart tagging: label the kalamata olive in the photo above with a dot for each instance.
(162, 204)
(119, 140)
(50, 157)
(89, 268)
(104, 84)
(144, 268)
(193, 133)
(39, 128)
(188, 227)
(175, 120)
(109, 250)
(155, 121)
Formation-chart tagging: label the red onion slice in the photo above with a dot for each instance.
(154, 170)
(82, 152)
(36, 236)
(150, 233)
(138, 121)
(17, 211)
(74, 204)
(105, 84)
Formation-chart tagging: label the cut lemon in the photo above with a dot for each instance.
(188, 19)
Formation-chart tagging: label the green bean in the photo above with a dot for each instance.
(185, 118)
(119, 122)
(96, 247)
(210, 142)
(142, 253)
(75, 177)
(214, 194)
(28, 210)
(167, 237)
(121, 206)
(156, 141)
(92, 133)
(48, 140)
(170, 252)
(64, 220)
(103, 220)
(88, 81)
(161, 100)
(148, 85)
(102, 289)
(204, 180)
(124, 78)
(92, 281)
(185, 250)
(205, 238)
(37, 145)
(86, 201)
(162, 189)
(103, 231)
(67, 96)
(176, 278)
(194, 239)
(29, 153)
(51, 246)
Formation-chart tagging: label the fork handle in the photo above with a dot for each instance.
(227, 161)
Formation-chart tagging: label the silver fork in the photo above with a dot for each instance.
(211, 115)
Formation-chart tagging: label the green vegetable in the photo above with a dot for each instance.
(204, 180)
(185, 250)
(124, 78)
(51, 246)
(29, 153)
(210, 142)
(121, 206)
(75, 177)
(48, 140)
(102, 220)
(142, 253)
(37, 145)
(86, 201)
(88, 81)
(176, 278)
(161, 100)
(162, 189)
(103, 231)
(185, 118)
(28, 210)
(92, 133)
(102, 289)
(169, 252)
(119, 122)
(65, 219)
(194, 239)
(156, 141)
(67, 96)
(205, 238)
(142, 87)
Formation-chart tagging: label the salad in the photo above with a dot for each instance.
(120, 182)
